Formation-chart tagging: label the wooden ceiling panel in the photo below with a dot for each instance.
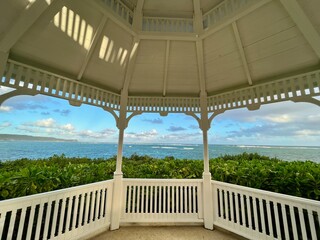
(182, 68)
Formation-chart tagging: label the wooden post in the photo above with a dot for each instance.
(118, 175)
(207, 189)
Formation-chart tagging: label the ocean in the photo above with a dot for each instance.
(11, 150)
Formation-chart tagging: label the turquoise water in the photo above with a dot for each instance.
(15, 150)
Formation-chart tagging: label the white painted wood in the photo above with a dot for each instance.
(242, 53)
(239, 13)
(305, 26)
(165, 78)
(25, 21)
(269, 197)
(92, 47)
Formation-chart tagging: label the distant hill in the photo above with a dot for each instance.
(15, 137)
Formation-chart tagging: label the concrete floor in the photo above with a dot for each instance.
(172, 233)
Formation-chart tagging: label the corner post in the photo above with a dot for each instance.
(207, 189)
(118, 175)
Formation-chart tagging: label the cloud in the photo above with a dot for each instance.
(153, 121)
(146, 136)
(27, 106)
(5, 109)
(102, 135)
(5, 125)
(45, 113)
(64, 112)
(50, 126)
(285, 118)
(195, 127)
(182, 137)
(45, 123)
(176, 129)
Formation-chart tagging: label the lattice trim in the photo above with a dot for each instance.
(304, 85)
(21, 76)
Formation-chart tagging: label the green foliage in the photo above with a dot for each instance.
(25, 177)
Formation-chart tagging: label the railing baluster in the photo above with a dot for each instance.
(39, 220)
(22, 220)
(312, 223)
(302, 223)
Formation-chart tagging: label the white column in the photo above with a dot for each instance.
(118, 175)
(207, 189)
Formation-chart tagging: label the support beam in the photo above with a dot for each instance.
(303, 23)
(234, 17)
(25, 21)
(207, 188)
(92, 47)
(197, 20)
(200, 61)
(3, 62)
(130, 64)
(241, 51)
(137, 16)
(166, 63)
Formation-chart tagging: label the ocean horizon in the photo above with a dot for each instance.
(11, 150)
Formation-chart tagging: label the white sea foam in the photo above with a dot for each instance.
(188, 148)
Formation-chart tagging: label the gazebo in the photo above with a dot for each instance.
(198, 57)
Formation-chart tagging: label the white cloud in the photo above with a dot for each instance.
(53, 128)
(5, 125)
(285, 118)
(68, 127)
(147, 136)
(45, 123)
(5, 109)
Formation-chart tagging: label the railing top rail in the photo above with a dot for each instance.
(147, 180)
(169, 18)
(31, 198)
(302, 201)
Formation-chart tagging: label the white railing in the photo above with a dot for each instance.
(162, 200)
(76, 213)
(156, 24)
(70, 213)
(120, 9)
(21, 76)
(286, 89)
(223, 10)
(257, 214)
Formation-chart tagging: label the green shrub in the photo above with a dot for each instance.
(25, 177)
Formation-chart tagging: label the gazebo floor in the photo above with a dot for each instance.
(160, 233)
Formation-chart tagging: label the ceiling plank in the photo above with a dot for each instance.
(241, 51)
(26, 20)
(92, 47)
(303, 23)
(234, 17)
(166, 63)
(130, 64)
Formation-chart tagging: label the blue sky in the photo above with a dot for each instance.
(274, 124)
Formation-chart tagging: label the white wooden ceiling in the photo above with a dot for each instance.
(84, 41)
